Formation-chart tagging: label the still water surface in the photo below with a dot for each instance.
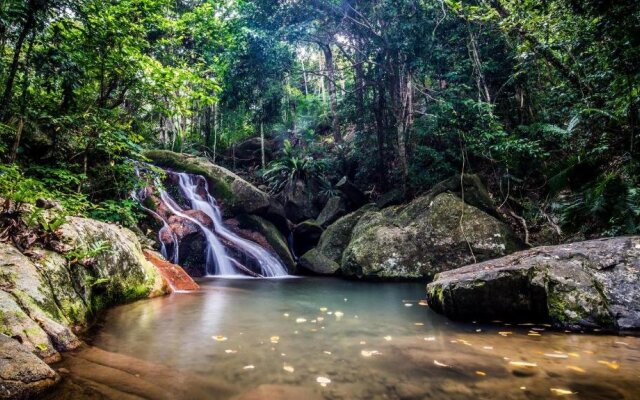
(333, 339)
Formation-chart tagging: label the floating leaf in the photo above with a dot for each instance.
(439, 364)
(423, 303)
(339, 314)
(505, 334)
(576, 369)
(229, 351)
(323, 309)
(408, 305)
(247, 367)
(301, 320)
(523, 364)
(556, 355)
(419, 324)
(561, 392)
(288, 368)
(286, 315)
(327, 352)
(481, 373)
(323, 381)
(430, 339)
(487, 347)
(275, 339)
(369, 353)
(388, 338)
(611, 364)
(219, 338)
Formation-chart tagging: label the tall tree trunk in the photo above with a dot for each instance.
(207, 126)
(379, 110)
(264, 161)
(359, 77)
(5, 102)
(216, 127)
(333, 98)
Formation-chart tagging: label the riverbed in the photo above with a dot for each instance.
(335, 339)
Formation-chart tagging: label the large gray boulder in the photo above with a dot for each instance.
(584, 285)
(426, 236)
(22, 374)
(326, 258)
(46, 299)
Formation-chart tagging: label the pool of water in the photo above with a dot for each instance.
(310, 338)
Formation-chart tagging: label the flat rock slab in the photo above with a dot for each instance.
(22, 374)
(591, 285)
(177, 278)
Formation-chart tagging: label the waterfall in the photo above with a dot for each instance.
(195, 190)
(189, 184)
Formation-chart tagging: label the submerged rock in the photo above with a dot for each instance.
(22, 374)
(584, 285)
(426, 236)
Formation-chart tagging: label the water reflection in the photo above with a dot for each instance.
(354, 340)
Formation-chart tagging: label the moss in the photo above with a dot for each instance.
(218, 186)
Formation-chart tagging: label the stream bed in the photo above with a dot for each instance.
(308, 338)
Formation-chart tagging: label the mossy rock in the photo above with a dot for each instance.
(326, 257)
(273, 236)
(580, 286)
(317, 263)
(423, 237)
(237, 195)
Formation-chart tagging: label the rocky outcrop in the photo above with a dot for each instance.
(334, 209)
(426, 236)
(237, 195)
(44, 300)
(176, 277)
(326, 258)
(276, 241)
(299, 201)
(22, 374)
(306, 236)
(585, 285)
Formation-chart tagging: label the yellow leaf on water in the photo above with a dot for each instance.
(363, 342)
(286, 315)
(480, 373)
(275, 339)
(523, 364)
(408, 305)
(388, 338)
(556, 355)
(576, 369)
(418, 324)
(301, 320)
(323, 309)
(327, 352)
(288, 368)
(338, 314)
(561, 392)
(423, 303)
(323, 381)
(247, 367)
(611, 364)
(229, 351)
(439, 364)
(369, 353)
(505, 333)
(219, 338)
(430, 339)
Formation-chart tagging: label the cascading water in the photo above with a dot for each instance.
(194, 189)
(190, 185)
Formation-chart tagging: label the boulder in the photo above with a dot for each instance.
(426, 236)
(273, 236)
(249, 152)
(579, 286)
(306, 236)
(354, 195)
(299, 202)
(22, 374)
(325, 259)
(236, 194)
(117, 272)
(334, 209)
(175, 276)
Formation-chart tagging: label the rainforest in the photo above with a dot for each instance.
(319, 199)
